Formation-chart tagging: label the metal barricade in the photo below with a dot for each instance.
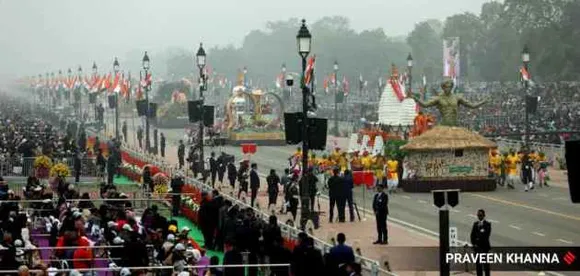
(24, 167)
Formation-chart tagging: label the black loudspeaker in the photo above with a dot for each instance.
(112, 101)
(141, 107)
(208, 114)
(152, 110)
(292, 129)
(317, 133)
(573, 164)
(531, 104)
(92, 98)
(194, 111)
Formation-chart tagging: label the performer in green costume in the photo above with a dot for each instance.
(447, 103)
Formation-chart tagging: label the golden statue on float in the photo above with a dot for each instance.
(254, 117)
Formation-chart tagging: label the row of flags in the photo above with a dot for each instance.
(107, 83)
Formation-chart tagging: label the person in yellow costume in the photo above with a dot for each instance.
(356, 162)
(511, 163)
(392, 174)
(343, 162)
(379, 168)
(495, 161)
(335, 155)
(543, 170)
(366, 161)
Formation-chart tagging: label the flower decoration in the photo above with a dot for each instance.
(42, 162)
(161, 183)
(60, 170)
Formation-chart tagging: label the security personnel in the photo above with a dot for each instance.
(181, 154)
(140, 136)
(381, 210)
(213, 168)
(162, 144)
(336, 194)
(480, 233)
(124, 130)
(176, 185)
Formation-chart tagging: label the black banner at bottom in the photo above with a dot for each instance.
(498, 258)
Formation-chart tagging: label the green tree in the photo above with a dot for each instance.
(427, 49)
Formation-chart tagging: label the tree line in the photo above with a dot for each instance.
(491, 43)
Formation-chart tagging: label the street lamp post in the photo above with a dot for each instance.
(69, 94)
(200, 60)
(409, 70)
(116, 71)
(146, 67)
(95, 100)
(336, 98)
(526, 61)
(304, 41)
(80, 96)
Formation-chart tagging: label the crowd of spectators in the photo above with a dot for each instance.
(57, 229)
(558, 110)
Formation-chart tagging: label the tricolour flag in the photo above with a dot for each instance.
(345, 86)
(309, 74)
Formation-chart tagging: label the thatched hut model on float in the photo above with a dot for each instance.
(448, 158)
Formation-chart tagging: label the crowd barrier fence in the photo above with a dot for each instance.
(24, 166)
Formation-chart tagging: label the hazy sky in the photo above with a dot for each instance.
(45, 35)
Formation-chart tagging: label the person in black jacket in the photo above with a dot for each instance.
(213, 167)
(480, 233)
(77, 165)
(273, 181)
(243, 179)
(232, 256)
(381, 210)
(176, 185)
(348, 186)
(181, 154)
(221, 170)
(336, 195)
(306, 259)
(140, 136)
(124, 130)
(254, 182)
(232, 174)
(162, 144)
(527, 168)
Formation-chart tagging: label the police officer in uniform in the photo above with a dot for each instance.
(381, 210)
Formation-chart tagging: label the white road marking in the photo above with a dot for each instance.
(543, 195)
(472, 216)
(539, 234)
(422, 201)
(455, 211)
(515, 227)
(559, 198)
(493, 221)
(565, 241)
(406, 196)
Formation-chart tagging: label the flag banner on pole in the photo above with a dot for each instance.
(451, 57)
(345, 86)
(309, 71)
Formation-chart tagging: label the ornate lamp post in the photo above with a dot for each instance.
(146, 67)
(526, 61)
(200, 60)
(116, 71)
(409, 69)
(78, 97)
(95, 72)
(336, 91)
(304, 41)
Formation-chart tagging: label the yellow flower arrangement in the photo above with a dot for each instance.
(60, 169)
(42, 162)
(161, 182)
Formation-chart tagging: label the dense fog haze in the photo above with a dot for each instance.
(42, 36)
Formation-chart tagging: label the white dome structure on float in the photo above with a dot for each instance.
(394, 106)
